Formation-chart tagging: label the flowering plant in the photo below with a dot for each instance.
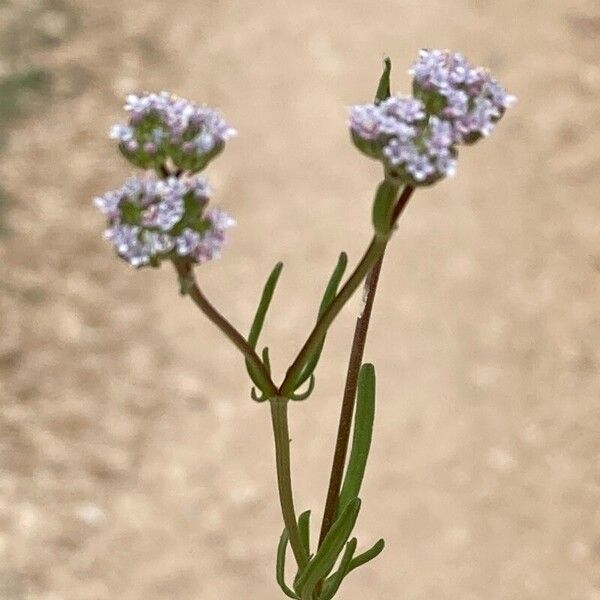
(164, 215)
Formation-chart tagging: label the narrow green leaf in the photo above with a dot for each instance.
(259, 318)
(362, 435)
(324, 560)
(307, 393)
(328, 296)
(280, 565)
(334, 282)
(383, 89)
(254, 375)
(263, 305)
(299, 576)
(304, 528)
(383, 206)
(266, 359)
(333, 583)
(368, 555)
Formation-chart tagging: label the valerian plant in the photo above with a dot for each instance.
(164, 216)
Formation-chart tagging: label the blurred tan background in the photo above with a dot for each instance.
(133, 463)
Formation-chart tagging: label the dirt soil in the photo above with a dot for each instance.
(134, 465)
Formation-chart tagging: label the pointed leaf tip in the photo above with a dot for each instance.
(259, 318)
(332, 584)
(263, 305)
(333, 544)
(368, 555)
(280, 565)
(304, 529)
(328, 297)
(383, 89)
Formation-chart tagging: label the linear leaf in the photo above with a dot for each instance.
(333, 583)
(383, 206)
(259, 317)
(304, 528)
(368, 555)
(266, 359)
(263, 305)
(280, 565)
(361, 439)
(324, 560)
(328, 296)
(383, 89)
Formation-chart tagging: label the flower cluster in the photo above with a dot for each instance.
(163, 127)
(469, 97)
(150, 219)
(417, 136)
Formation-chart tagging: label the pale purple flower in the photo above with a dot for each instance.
(126, 239)
(446, 165)
(440, 70)
(416, 137)
(109, 203)
(457, 104)
(440, 138)
(404, 109)
(175, 186)
(426, 159)
(121, 132)
(398, 153)
(396, 116)
(201, 188)
(204, 142)
(199, 132)
(187, 242)
(178, 115)
(219, 219)
(421, 167)
(473, 101)
(210, 246)
(165, 214)
(148, 220)
(479, 121)
(158, 243)
(365, 121)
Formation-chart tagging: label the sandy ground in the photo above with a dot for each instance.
(133, 463)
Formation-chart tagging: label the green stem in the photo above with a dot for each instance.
(186, 276)
(374, 251)
(284, 478)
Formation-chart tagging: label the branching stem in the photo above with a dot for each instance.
(187, 279)
(355, 362)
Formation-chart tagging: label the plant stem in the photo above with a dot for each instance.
(284, 479)
(184, 270)
(354, 364)
(374, 251)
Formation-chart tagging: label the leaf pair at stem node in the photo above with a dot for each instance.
(307, 373)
